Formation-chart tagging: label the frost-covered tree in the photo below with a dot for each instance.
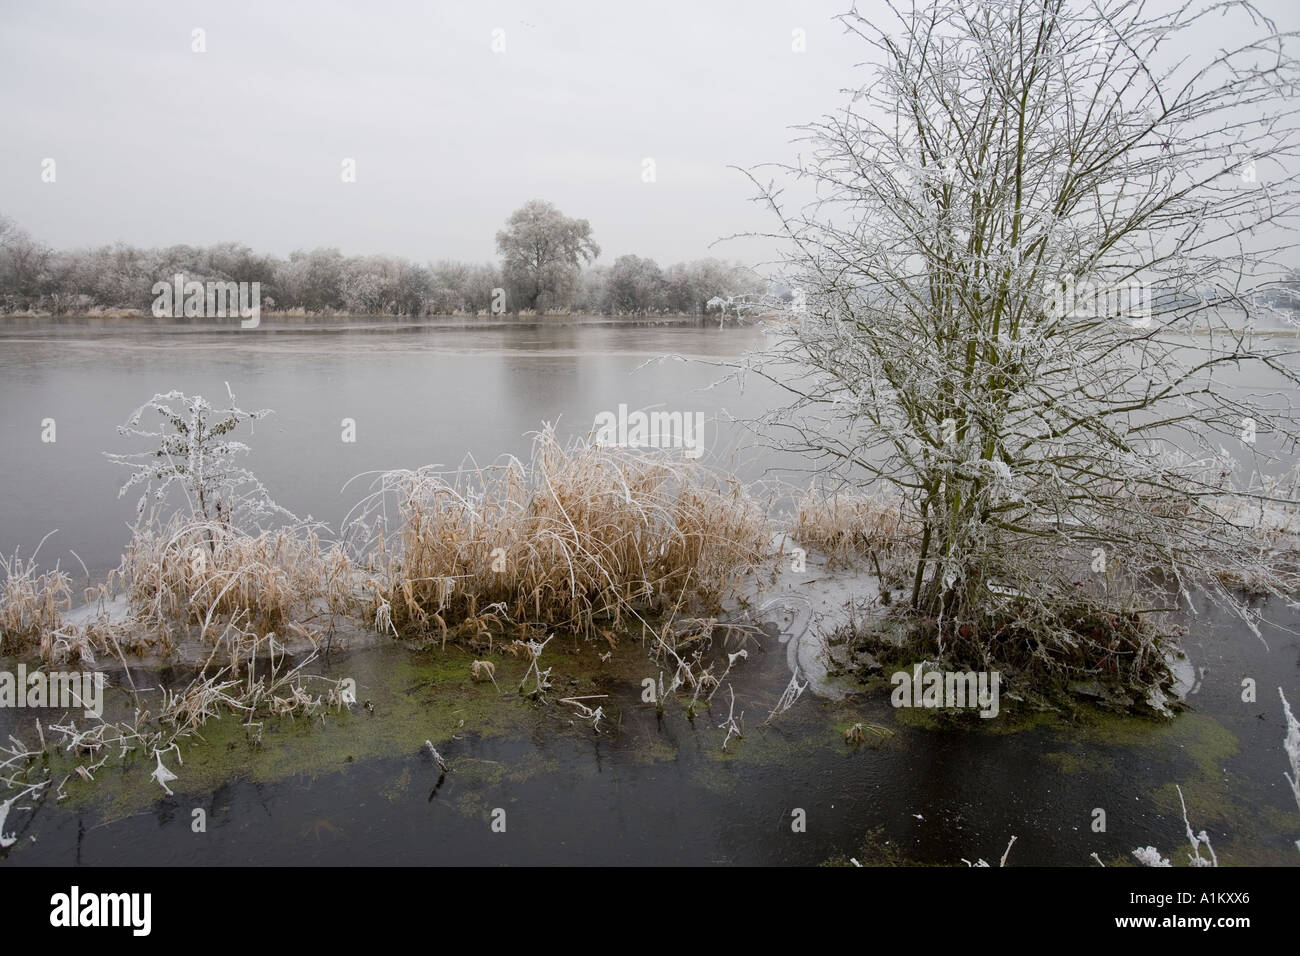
(542, 251)
(635, 285)
(1027, 254)
(311, 280)
(24, 264)
(592, 294)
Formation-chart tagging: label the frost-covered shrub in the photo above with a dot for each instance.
(192, 455)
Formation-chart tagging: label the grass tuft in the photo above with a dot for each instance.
(579, 534)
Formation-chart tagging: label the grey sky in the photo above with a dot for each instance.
(156, 144)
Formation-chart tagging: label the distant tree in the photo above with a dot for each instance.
(412, 288)
(7, 229)
(1286, 297)
(688, 286)
(542, 251)
(462, 287)
(311, 280)
(481, 285)
(449, 282)
(592, 295)
(636, 285)
(24, 265)
(367, 286)
(116, 276)
(235, 262)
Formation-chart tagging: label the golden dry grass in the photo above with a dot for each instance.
(31, 603)
(580, 534)
(849, 525)
(205, 579)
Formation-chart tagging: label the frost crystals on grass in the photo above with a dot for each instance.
(1291, 743)
(162, 774)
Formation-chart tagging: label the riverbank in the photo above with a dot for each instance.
(136, 319)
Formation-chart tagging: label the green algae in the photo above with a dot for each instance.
(1074, 762)
(404, 699)
(405, 696)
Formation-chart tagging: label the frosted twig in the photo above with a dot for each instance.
(792, 692)
(735, 726)
(1150, 856)
(543, 676)
(1003, 861)
(1291, 744)
(1196, 839)
(437, 757)
(585, 712)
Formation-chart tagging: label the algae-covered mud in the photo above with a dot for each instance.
(516, 780)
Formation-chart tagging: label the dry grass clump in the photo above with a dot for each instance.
(849, 525)
(31, 603)
(579, 534)
(201, 578)
(80, 643)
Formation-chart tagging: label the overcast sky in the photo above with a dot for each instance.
(156, 144)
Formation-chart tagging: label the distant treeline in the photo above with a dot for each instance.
(37, 278)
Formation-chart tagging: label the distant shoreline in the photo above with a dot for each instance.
(269, 319)
(275, 320)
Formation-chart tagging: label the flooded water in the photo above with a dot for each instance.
(357, 788)
(527, 783)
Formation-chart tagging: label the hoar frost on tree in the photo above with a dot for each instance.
(192, 453)
(1029, 253)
